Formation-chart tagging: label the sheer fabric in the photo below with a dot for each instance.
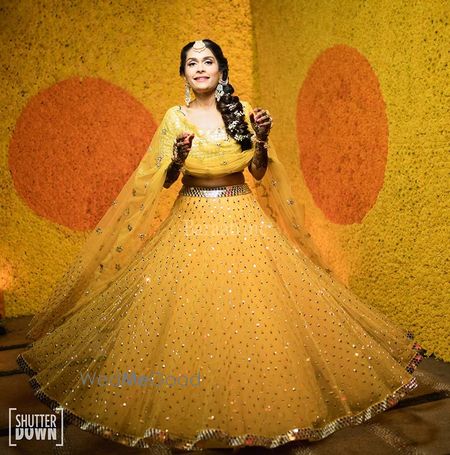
(219, 329)
(220, 334)
(126, 226)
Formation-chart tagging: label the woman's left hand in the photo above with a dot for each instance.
(261, 123)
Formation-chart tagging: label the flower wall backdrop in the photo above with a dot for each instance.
(85, 84)
(356, 90)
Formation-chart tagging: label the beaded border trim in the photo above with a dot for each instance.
(217, 191)
(157, 437)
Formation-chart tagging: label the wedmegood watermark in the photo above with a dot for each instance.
(41, 427)
(224, 229)
(130, 378)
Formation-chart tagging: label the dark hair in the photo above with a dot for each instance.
(228, 105)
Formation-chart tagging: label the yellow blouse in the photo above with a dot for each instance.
(213, 152)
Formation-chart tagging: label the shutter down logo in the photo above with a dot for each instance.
(42, 427)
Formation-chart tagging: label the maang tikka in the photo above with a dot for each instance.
(198, 46)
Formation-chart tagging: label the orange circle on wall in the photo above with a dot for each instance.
(73, 148)
(342, 133)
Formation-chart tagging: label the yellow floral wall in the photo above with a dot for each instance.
(357, 90)
(84, 85)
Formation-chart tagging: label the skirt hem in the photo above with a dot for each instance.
(219, 438)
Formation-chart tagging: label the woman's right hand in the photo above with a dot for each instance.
(182, 147)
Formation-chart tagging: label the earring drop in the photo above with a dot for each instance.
(187, 94)
(219, 89)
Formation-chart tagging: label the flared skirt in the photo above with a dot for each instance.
(221, 333)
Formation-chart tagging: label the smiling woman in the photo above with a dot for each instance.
(230, 289)
(201, 70)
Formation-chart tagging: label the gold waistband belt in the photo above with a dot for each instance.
(216, 191)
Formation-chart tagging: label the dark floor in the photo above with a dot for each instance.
(420, 424)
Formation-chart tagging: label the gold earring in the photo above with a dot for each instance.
(187, 94)
(219, 89)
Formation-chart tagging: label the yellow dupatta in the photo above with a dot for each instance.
(126, 226)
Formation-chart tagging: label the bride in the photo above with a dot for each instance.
(223, 326)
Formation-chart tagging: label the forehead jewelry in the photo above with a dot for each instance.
(199, 46)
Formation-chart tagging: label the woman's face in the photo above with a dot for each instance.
(201, 70)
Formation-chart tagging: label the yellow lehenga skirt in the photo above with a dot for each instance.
(221, 334)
